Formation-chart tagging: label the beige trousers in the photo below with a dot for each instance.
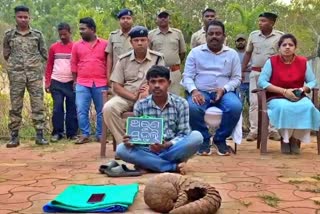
(175, 87)
(112, 111)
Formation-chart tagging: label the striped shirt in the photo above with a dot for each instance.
(58, 64)
(175, 115)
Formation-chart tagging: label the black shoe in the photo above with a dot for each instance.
(74, 137)
(14, 140)
(221, 149)
(285, 148)
(40, 139)
(56, 138)
(294, 146)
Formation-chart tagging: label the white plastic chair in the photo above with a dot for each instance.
(213, 117)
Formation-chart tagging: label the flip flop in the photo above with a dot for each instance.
(108, 165)
(122, 171)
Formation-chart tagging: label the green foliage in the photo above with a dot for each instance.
(271, 200)
(316, 177)
(239, 16)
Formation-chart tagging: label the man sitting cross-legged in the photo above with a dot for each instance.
(180, 143)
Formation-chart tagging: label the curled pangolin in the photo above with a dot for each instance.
(176, 194)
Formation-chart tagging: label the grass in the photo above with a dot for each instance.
(271, 200)
(317, 202)
(27, 130)
(296, 181)
(245, 203)
(317, 190)
(316, 177)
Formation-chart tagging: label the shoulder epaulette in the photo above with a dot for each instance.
(152, 31)
(114, 32)
(8, 31)
(155, 53)
(278, 31)
(254, 32)
(175, 29)
(125, 55)
(37, 31)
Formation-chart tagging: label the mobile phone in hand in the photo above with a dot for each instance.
(297, 92)
(95, 198)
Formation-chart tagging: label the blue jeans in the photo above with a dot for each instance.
(62, 93)
(84, 95)
(231, 107)
(165, 161)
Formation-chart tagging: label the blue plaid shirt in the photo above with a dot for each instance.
(175, 115)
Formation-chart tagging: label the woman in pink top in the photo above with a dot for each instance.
(59, 83)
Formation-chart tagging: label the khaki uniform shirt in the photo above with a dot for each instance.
(132, 74)
(262, 47)
(170, 44)
(118, 44)
(25, 53)
(198, 38)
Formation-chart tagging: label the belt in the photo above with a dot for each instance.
(174, 68)
(258, 69)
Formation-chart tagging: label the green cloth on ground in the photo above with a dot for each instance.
(75, 197)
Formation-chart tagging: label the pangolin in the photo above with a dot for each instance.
(176, 194)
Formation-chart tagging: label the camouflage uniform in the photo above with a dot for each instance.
(24, 54)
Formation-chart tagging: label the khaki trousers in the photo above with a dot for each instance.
(175, 87)
(112, 111)
(253, 109)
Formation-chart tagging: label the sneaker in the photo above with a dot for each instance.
(274, 136)
(74, 137)
(222, 149)
(252, 137)
(204, 153)
(204, 149)
(55, 138)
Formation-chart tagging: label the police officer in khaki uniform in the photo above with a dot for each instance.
(261, 45)
(119, 41)
(24, 49)
(170, 42)
(199, 37)
(128, 80)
